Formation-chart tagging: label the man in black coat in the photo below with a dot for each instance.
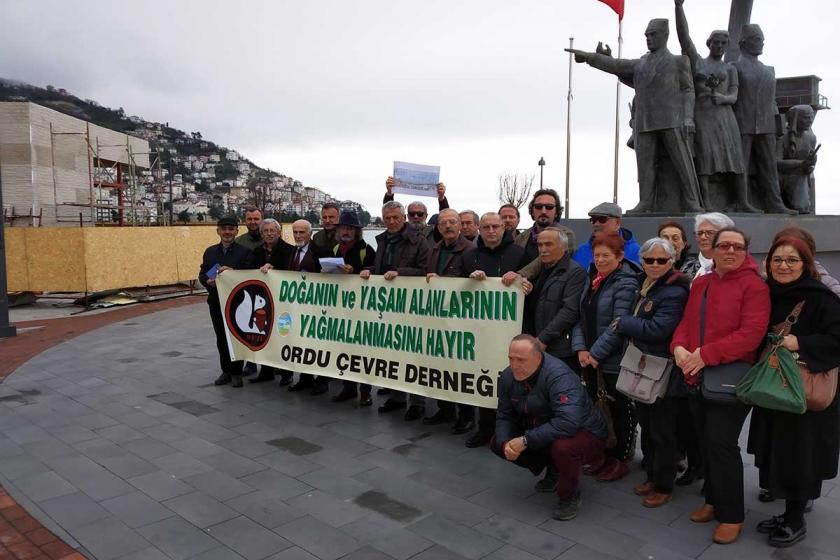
(552, 307)
(494, 255)
(227, 255)
(401, 250)
(545, 417)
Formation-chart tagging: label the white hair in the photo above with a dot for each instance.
(654, 242)
(717, 219)
(561, 235)
(270, 222)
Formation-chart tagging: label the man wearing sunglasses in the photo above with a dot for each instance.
(545, 209)
(606, 217)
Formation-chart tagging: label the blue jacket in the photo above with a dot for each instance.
(652, 326)
(550, 404)
(618, 292)
(583, 255)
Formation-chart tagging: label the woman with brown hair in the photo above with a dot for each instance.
(796, 452)
(609, 294)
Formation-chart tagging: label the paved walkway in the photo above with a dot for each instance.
(118, 443)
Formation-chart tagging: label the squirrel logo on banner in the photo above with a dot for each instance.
(249, 314)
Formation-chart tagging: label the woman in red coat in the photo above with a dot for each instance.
(737, 311)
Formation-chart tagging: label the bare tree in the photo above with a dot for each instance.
(515, 188)
(258, 190)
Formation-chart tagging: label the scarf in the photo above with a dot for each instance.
(597, 280)
(643, 292)
(706, 266)
(391, 242)
(344, 248)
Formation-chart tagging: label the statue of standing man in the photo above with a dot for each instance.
(756, 112)
(663, 117)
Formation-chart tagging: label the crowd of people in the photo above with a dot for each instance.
(560, 411)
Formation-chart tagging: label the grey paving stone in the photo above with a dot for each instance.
(367, 553)
(276, 484)
(181, 465)
(501, 501)
(218, 485)
(232, 464)
(523, 536)
(460, 486)
(509, 552)
(160, 486)
(294, 553)
(74, 510)
(43, 486)
(109, 538)
(335, 483)
(388, 537)
(249, 539)
(138, 420)
(73, 433)
(166, 433)
(21, 466)
(136, 509)
(438, 552)
(583, 552)
(328, 509)
(90, 477)
(287, 463)
(268, 511)
(128, 465)
(150, 553)
(95, 421)
(198, 448)
(246, 446)
(200, 509)
(595, 536)
(148, 448)
(178, 538)
(48, 449)
(220, 553)
(318, 538)
(459, 538)
(119, 433)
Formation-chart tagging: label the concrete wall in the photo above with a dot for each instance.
(30, 181)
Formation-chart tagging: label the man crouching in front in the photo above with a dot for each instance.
(544, 414)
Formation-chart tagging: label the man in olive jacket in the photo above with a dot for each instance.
(545, 418)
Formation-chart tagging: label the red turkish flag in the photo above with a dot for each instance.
(617, 6)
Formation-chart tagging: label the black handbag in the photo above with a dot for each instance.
(718, 382)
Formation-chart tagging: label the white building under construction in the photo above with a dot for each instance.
(57, 170)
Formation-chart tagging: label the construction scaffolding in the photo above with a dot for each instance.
(111, 179)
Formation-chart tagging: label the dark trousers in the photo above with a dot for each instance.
(623, 415)
(649, 148)
(688, 438)
(464, 410)
(568, 455)
(308, 380)
(658, 422)
(227, 365)
(353, 386)
(722, 425)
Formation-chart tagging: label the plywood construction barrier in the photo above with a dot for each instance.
(96, 259)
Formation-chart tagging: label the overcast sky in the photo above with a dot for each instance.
(331, 92)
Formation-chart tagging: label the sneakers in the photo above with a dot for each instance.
(784, 536)
(769, 525)
(549, 481)
(567, 508)
(439, 417)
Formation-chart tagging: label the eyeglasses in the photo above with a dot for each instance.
(727, 245)
(705, 233)
(545, 206)
(790, 261)
(657, 260)
(416, 214)
(598, 219)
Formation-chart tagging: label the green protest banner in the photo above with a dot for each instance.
(446, 339)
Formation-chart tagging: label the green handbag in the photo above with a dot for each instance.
(775, 381)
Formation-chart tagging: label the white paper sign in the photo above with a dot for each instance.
(330, 264)
(416, 179)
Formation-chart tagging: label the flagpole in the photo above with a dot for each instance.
(569, 125)
(617, 108)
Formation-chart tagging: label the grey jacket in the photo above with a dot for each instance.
(559, 306)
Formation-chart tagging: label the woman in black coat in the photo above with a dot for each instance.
(609, 294)
(796, 452)
(656, 313)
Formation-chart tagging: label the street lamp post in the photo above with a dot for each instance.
(6, 330)
(541, 163)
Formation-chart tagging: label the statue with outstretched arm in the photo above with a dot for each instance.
(717, 139)
(663, 115)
